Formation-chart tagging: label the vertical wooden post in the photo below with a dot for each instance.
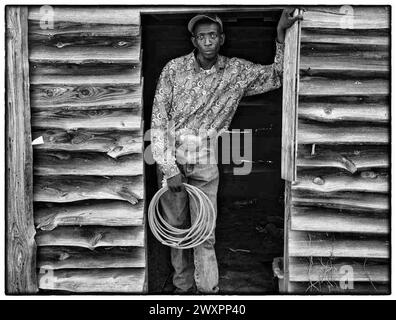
(20, 244)
(290, 100)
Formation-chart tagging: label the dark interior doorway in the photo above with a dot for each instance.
(249, 231)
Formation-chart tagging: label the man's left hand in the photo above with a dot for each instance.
(286, 21)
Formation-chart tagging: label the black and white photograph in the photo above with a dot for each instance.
(197, 150)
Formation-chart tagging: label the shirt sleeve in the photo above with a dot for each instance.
(162, 144)
(263, 78)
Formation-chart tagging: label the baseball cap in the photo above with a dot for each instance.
(209, 16)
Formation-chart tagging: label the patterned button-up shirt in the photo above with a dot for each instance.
(190, 98)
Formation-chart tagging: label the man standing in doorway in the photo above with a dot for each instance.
(196, 93)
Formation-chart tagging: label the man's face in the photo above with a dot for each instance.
(208, 39)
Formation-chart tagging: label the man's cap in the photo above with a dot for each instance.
(209, 16)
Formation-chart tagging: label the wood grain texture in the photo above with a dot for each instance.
(113, 143)
(88, 164)
(326, 182)
(54, 258)
(77, 188)
(336, 112)
(100, 119)
(119, 15)
(326, 270)
(343, 200)
(347, 17)
(318, 86)
(128, 280)
(350, 158)
(109, 213)
(86, 96)
(91, 237)
(290, 101)
(378, 288)
(341, 134)
(307, 244)
(21, 275)
(329, 220)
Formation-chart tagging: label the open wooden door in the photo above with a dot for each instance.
(337, 191)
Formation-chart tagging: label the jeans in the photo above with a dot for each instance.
(199, 263)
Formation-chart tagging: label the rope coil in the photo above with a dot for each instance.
(199, 231)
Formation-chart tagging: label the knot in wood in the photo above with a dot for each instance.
(369, 175)
(328, 110)
(318, 180)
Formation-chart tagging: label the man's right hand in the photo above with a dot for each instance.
(175, 183)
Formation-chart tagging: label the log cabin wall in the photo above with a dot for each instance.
(339, 207)
(86, 94)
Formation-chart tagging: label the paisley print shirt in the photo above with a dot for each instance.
(190, 98)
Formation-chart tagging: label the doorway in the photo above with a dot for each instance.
(249, 232)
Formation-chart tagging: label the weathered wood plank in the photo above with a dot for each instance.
(77, 188)
(347, 17)
(317, 86)
(129, 280)
(317, 66)
(86, 97)
(100, 119)
(92, 237)
(80, 55)
(88, 164)
(329, 220)
(113, 143)
(87, 15)
(326, 182)
(341, 134)
(110, 213)
(75, 75)
(20, 245)
(343, 200)
(329, 288)
(350, 158)
(349, 37)
(80, 258)
(307, 244)
(290, 100)
(334, 112)
(326, 270)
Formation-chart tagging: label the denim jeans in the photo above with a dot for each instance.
(199, 263)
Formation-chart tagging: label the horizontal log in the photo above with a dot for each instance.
(111, 213)
(341, 134)
(77, 188)
(88, 164)
(331, 288)
(349, 37)
(317, 86)
(80, 258)
(75, 75)
(334, 112)
(329, 220)
(113, 143)
(100, 119)
(80, 55)
(92, 237)
(326, 270)
(129, 280)
(325, 182)
(343, 200)
(347, 17)
(350, 158)
(313, 244)
(85, 97)
(326, 66)
(87, 15)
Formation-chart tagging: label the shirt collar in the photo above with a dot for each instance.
(219, 64)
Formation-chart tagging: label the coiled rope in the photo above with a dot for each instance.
(199, 231)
